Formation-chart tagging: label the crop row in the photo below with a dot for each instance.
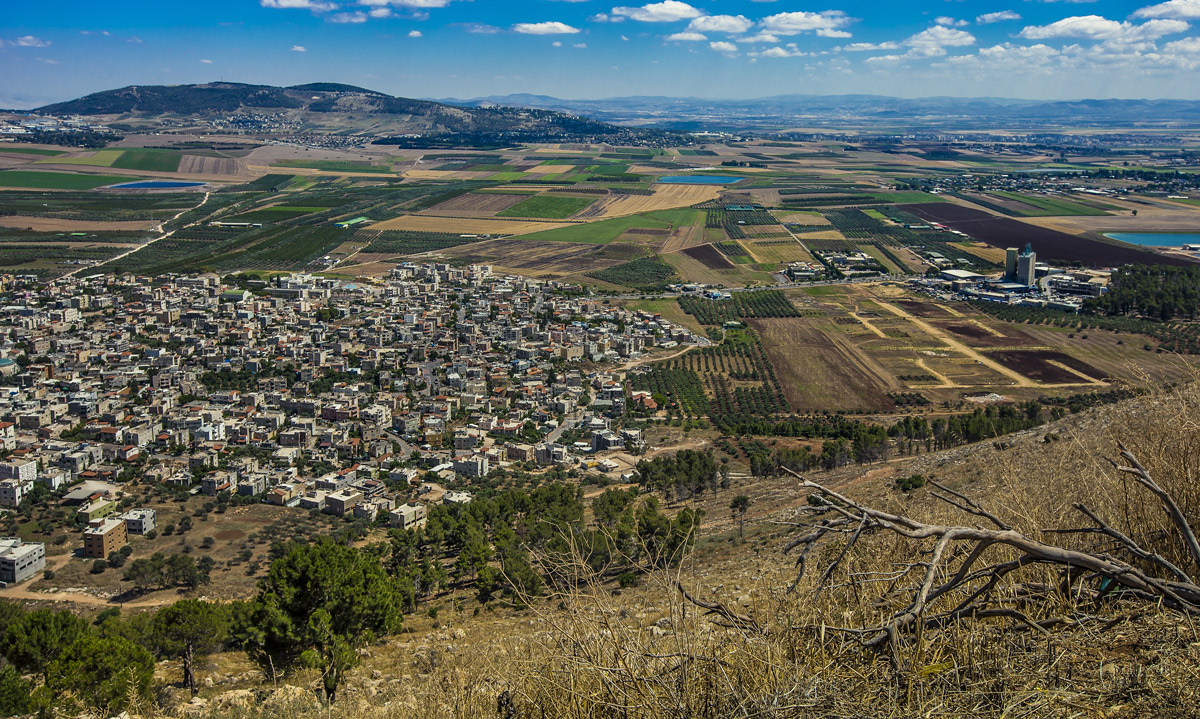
(741, 305)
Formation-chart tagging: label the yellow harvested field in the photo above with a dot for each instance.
(826, 235)
(444, 175)
(800, 218)
(198, 165)
(549, 169)
(775, 251)
(54, 224)
(665, 197)
(100, 158)
(455, 225)
(644, 170)
(987, 252)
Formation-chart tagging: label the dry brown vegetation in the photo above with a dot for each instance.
(421, 223)
(476, 204)
(747, 646)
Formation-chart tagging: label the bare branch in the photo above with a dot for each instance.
(739, 621)
(971, 506)
(1143, 477)
(958, 550)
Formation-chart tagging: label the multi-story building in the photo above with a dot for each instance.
(408, 516)
(11, 492)
(140, 521)
(20, 560)
(340, 503)
(103, 537)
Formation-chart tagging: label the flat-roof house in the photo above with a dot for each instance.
(140, 521)
(408, 516)
(103, 537)
(20, 560)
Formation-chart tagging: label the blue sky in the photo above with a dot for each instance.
(1060, 49)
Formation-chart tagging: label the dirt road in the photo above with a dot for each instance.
(156, 239)
(1020, 379)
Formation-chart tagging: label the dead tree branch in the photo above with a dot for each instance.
(957, 567)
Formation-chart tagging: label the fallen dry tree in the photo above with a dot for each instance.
(977, 572)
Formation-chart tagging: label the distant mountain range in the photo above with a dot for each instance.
(324, 107)
(346, 109)
(685, 113)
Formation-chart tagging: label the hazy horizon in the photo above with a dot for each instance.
(713, 49)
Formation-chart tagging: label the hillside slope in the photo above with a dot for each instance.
(591, 647)
(323, 107)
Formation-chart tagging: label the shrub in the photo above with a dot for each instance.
(908, 484)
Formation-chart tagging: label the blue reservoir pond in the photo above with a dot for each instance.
(699, 179)
(155, 185)
(1156, 239)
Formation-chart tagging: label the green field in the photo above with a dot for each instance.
(547, 206)
(31, 151)
(333, 165)
(274, 214)
(1051, 206)
(57, 180)
(99, 158)
(149, 160)
(98, 206)
(508, 176)
(605, 231)
(609, 169)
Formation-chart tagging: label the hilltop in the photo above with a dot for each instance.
(325, 107)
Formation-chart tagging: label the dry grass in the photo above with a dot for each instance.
(422, 223)
(665, 197)
(54, 224)
(592, 652)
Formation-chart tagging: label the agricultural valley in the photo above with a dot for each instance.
(455, 410)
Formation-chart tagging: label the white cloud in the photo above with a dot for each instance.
(407, 3)
(556, 43)
(925, 44)
(1095, 27)
(545, 28)
(867, 46)
(991, 17)
(1178, 9)
(665, 11)
(794, 23)
(950, 22)
(314, 5)
(416, 33)
(206, 62)
(30, 41)
(729, 24)
(761, 37)
(726, 47)
(779, 52)
(478, 28)
(940, 36)
(351, 18)
(299, 48)
(687, 37)
(1190, 45)
(380, 12)
(580, 46)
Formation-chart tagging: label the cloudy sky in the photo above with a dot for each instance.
(1052, 49)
